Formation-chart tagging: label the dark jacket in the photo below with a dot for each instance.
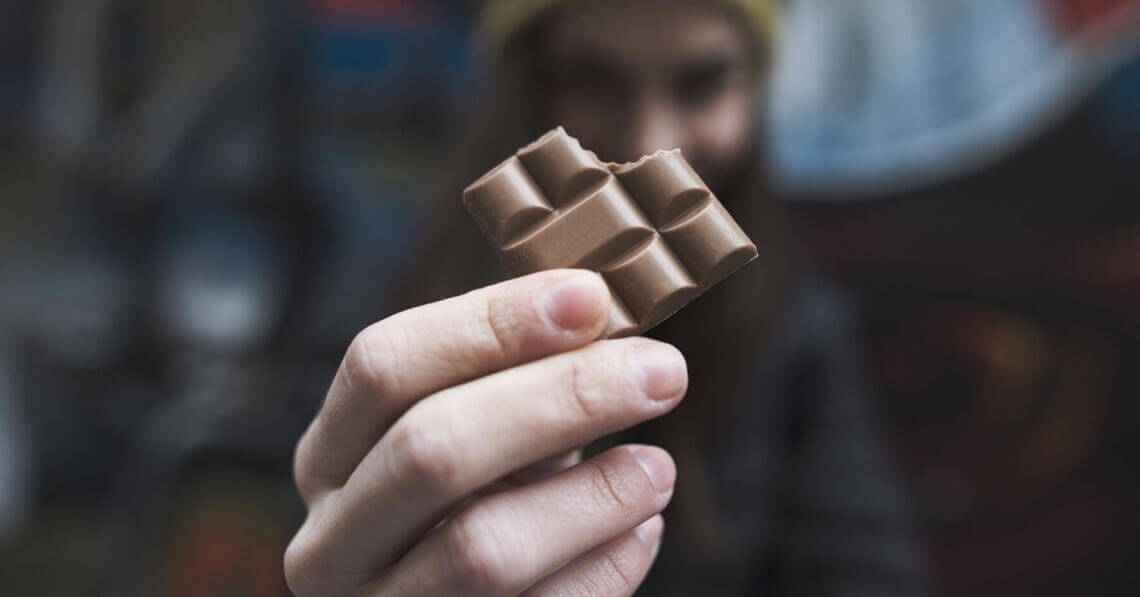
(812, 499)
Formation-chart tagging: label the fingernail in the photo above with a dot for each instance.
(575, 302)
(660, 370)
(658, 466)
(649, 533)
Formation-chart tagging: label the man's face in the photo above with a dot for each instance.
(630, 77)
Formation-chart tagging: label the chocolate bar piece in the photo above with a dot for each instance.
(652, 229)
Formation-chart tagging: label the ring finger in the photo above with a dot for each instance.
(507, 542)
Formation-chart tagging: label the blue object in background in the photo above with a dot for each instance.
(1119, 105)
(393, 62)
(873, 96)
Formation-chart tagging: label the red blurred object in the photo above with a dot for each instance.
(373, 10)
(227, 548)
(1080, 15)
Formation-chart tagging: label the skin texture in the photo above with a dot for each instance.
(445, 457)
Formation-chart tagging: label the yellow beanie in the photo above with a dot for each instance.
(502, 19)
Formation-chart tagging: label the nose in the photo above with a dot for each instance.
(655, 126)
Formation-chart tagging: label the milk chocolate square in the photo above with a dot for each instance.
(652, 228)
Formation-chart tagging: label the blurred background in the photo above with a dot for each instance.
(202, 202)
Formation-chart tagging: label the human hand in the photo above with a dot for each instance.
(437, 464)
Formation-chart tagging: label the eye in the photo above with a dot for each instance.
(587, 77)
(699, 83)
(589, 82)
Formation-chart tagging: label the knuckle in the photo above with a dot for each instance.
(616, 490)
(312, 483)
(306, 483)
(372, 360)
(572, 587)
(618, 569)
(301, 566)
(500, 325)
(475, 557)
(426, 457)
(586, 388)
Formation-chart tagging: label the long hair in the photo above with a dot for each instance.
(722, 333)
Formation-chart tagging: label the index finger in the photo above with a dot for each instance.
(394, 363)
